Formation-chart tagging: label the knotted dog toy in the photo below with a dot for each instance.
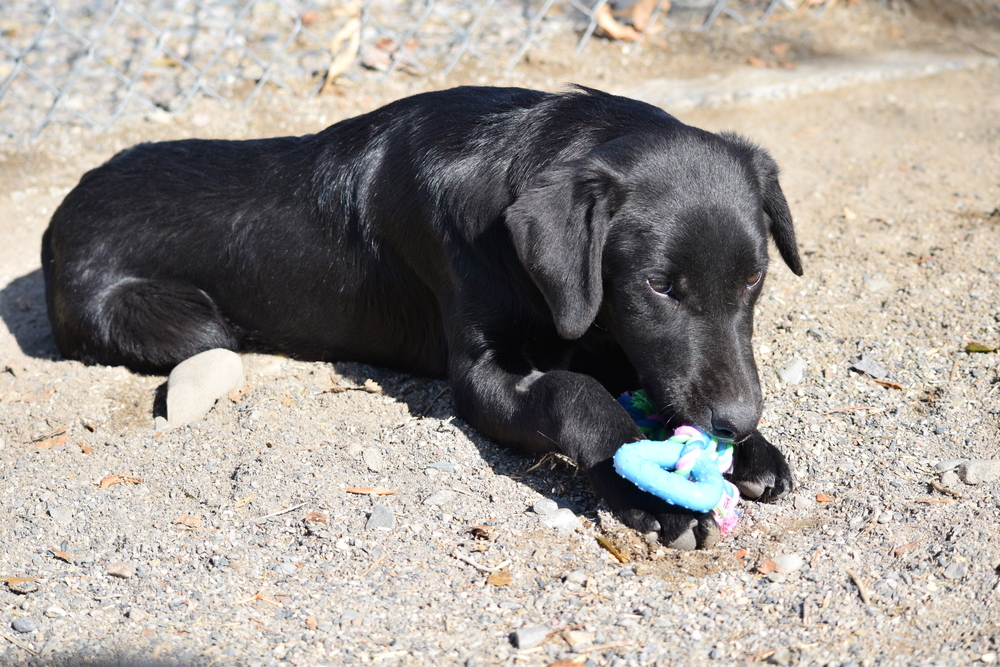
(684, 470)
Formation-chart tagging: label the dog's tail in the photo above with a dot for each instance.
(149, 326)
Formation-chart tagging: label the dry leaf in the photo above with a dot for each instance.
(62, 555)
(501, 578)
(887, 383)
(287, 401)
(54, 442)
(311, 622)
(316, 517)
(767, 566)
(569, 662)
(979, 347)
(823, 498)
(236, 395)
(346, 44)
(14, 581)
(740, 554)
(309, 17)
(780, 51)
(606, 543)
(371, 386)
(41, 396)
(480, 532)
(193, 522)
(368, 490)
(111, 480)
(84, 447)
(903, 548)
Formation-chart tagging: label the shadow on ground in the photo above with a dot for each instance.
(22, 308)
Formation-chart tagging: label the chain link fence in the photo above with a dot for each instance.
(90, 62)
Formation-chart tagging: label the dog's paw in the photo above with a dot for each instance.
(760, 470)
(681, 530)
(651, 516)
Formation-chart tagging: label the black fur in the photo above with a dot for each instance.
(508, 239)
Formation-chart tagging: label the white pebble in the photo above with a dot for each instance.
(792, 372)
(197, 383)
(788, 563)
(562, 520)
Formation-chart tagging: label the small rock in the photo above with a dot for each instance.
(989, 658)
(372, 456)
(61, 514)
(197, 383)
(530, 637)
(545, 506)
(865, 364)
(219, 561)
(977, 472)
(956, 570)
(22, 624)
(562, 520)
(787, 563)
(351, 617)
(54, 611)
(950, 464)
(777, 578)
(781, 657)
(576, 577)
(792, 372)
(950, 479)
(443, 466)
(578, 639)
(381, 518)
(22, 587)
(287, 568)
(136, 614)
(885, 517)
(121, 570)
(803, 502)
(877, 284)
(160, 423)
(439, 498)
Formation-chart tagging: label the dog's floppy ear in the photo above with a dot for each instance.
(559, 225)
(775, 205)
(776, 209)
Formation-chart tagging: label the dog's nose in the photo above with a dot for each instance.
(734, 422)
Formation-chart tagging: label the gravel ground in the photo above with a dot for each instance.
(234, 540)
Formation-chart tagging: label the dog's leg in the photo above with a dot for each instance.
(760, 470)
(145, 325)
(573, 414)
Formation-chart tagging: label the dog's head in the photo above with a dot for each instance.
(665, 243)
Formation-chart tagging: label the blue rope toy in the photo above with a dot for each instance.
(684, 469)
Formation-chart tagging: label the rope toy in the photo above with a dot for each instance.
(684, 469)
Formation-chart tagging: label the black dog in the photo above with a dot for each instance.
(543, 251)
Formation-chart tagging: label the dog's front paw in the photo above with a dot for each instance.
(678, 529)
(651, 516)
(760, 470)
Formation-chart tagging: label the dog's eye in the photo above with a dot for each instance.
(660, 285)
(754, 278)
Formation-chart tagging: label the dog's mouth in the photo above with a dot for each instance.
(674, 416)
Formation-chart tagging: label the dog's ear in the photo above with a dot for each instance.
(776, 209)
(775, 205)
(559, 225)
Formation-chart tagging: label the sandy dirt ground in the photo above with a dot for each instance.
(239, 545)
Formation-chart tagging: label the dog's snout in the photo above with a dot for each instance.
(734, 421)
